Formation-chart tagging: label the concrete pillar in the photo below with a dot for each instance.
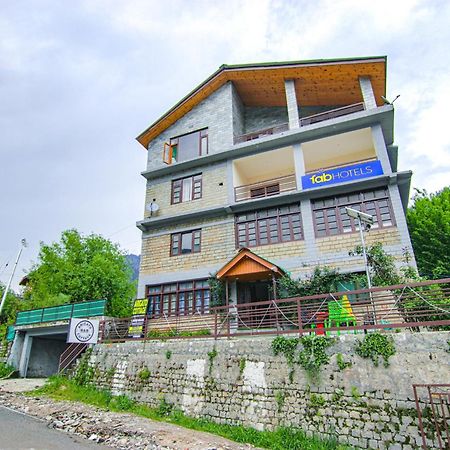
(25, 356)
(400, 221)
(230, 182)
(233, 311)
(299, 163)
(292, 105)
(381, 149)
(308, 231)
(367, 92)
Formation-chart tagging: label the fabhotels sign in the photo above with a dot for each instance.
(342, 174)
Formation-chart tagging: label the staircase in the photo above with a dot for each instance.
(69, 355)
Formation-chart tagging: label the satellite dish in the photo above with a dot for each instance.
(152, 208)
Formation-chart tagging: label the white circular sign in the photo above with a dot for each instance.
(84, 330)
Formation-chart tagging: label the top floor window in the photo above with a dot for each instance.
(187, 146)
(330, 217)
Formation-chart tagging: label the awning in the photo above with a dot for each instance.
(248, 266)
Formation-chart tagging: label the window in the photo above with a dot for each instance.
(187, 189)
(331, 219)
(177, 299)
(189, 146)
(184, 243)
(269, 226)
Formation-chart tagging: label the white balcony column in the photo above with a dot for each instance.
(292, 105)
(312, 255)
(400, 221)
(381, 149)
(367, 92)
(25, 355)
(299, 163)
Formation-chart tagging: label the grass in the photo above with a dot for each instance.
(6, 370)
(60, 388)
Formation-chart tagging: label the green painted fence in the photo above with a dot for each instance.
(63, 312)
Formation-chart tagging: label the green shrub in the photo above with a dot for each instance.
(144, 374)
(6, 370)
(374, 346)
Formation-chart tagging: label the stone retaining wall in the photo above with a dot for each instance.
(240, 381)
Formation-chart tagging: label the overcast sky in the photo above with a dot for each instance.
(79, 80)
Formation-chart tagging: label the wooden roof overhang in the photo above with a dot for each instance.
(248, 266)
(317, 82)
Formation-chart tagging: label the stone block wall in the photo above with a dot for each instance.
(213, 194)
(261, 117)
(240, 381)
(214, 113)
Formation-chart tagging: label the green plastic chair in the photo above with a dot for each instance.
(340, 313)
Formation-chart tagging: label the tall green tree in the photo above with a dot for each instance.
(429, 226)
(80, 268)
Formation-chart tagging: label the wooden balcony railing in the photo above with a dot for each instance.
(316, 118)
(332, 114)
(265, 188)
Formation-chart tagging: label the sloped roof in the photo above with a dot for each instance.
(320, 82)
(246, 263)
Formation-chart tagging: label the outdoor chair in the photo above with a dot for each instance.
(340, 313)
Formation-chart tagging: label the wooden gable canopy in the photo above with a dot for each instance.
(317, 83)
(246, 265)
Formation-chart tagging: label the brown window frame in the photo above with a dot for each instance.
(268, 226)
(157, 294)
(174, 144)
(346, 224)
(196, 184)
(179, 236)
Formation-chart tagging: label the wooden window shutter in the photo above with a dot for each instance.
(167, 153)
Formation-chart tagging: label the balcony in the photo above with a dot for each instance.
(265, 188)
(304, 121)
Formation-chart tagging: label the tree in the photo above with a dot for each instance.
(429, 227)
(80, 268)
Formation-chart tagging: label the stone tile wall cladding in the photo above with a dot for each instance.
(218, 245)
(365, 406)
(215, 113)
(212, 194)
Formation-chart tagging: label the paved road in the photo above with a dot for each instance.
(21, 432)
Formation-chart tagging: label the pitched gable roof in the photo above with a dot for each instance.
(319, 82)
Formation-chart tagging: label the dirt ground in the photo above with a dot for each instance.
(117, 430)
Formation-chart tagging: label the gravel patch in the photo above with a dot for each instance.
(118, 430)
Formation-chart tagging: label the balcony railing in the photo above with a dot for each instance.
(316, 118)
(265, 188)
(261, 133)
(412, 307)
(332, 114)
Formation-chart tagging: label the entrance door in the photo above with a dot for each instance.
(251, 292)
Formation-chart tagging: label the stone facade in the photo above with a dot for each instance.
(240, 381)
(214, 113)
(227, 115)
(214, 191)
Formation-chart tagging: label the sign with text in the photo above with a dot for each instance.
(342, 174)
(136, 328)
(83, 331)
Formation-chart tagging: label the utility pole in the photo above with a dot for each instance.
(23, 244)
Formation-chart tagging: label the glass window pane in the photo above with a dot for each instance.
(187, 189)
(186, 243)
(204, 146)
(188, 146)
